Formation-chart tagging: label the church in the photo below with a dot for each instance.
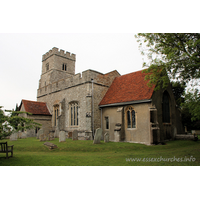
(123, 106)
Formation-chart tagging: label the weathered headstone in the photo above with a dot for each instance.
(117, 132)
(51, 136)
(42, 137)
(97, 137)
(23, 135)
(75, 135)
(106, 137)
(117, 136)
(81, 136)
(39, 133)
(62, 136)
(14, 136)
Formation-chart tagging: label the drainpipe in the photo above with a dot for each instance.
(101, 120)
(92, 107)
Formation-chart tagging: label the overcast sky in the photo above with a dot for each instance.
(100, 33)
(21, 58)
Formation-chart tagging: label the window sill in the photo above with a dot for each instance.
(131, 129)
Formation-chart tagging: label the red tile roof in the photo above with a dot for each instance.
(35, 107)
(127, 88)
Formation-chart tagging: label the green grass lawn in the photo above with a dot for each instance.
(32, 152)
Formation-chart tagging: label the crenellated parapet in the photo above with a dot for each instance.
(62, 53)
(101, 79)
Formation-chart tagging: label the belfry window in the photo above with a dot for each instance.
(74, 114)
(47, 66)
(131, 121)
(64, 67)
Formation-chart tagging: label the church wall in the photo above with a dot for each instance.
(140, 134)
(73, 94)
(57, 85)
(167, 130)
(78, 88)
(114, 117)
(44, 120)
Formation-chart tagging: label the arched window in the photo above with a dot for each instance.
(131, 120)
(56, 113)
(74, 114)
(166, 107)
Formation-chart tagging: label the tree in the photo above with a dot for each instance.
(178, 90)
(186, 104)
(173, 56)
(192, 103)
(14, 123)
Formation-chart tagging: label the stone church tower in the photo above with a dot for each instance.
(56, 65)
(72, 98)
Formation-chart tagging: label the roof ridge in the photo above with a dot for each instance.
(132, 72)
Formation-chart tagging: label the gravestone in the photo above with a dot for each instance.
(75, 135)
(117, 132)
(39, 133)
(81, 136)
(42, 137)
(97, 137)
(14, 136)
(51, 136)
(117, 136)
(106, 137)
(22, 135)
(62, 136)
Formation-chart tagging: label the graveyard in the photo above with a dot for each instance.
(33, 152)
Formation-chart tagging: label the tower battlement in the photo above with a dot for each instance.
(62, 53)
